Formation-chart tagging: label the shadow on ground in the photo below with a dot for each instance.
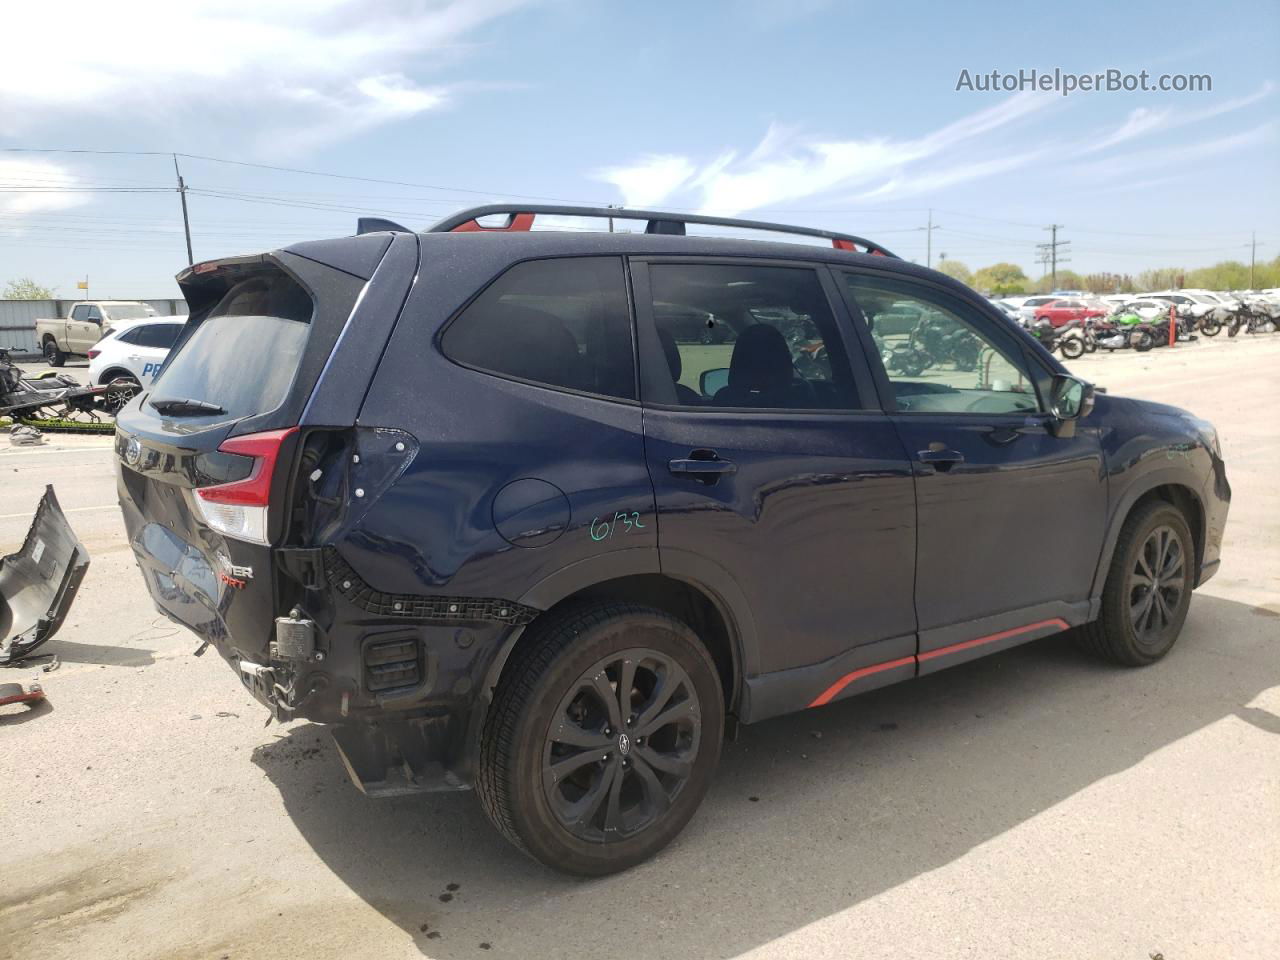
(810, 814)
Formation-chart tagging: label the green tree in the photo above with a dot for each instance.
(1000, 279)
(24, 288)
(956, 269)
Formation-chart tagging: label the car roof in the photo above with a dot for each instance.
(504, 248)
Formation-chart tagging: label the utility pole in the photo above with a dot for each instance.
(1050, 251)
(1253, 254)
(928, 243)
(186, 222)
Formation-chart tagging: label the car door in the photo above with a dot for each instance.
(85, 332)
(151, 344)
(1010, 503)
(781, 487)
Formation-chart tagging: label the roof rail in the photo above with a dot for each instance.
(521, 217)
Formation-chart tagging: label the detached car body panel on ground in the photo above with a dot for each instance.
(378, 471)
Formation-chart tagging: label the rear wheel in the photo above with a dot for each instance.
(1141, 340)
(52, 355)
(1148, 588)
(1210, 328)
(119, 392)
(602, 738)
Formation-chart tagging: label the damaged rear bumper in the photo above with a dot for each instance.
(39, 582)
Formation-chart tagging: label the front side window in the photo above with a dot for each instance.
(80, 312)
(560, 323)
(951, 360)
(94, 315)
(750, 337)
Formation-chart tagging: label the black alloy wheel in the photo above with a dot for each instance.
(621, 745)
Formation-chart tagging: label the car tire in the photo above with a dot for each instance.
(1072, 347)
(52, 355)
(1138, 624)
(556, 707)
(120, 390)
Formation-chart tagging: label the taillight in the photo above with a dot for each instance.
(239, 509)
(93, 353)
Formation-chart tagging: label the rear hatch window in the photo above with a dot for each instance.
(242, 358)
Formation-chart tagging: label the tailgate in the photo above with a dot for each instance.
(197, 454)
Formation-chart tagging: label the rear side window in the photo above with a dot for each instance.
(159, 335)
(243, 356)
(561, 323)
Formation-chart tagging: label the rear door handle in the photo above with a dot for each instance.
(707, 469)
(942, 459)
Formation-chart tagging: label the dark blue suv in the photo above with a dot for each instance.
(546, 514)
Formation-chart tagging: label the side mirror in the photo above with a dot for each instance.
(1070, 398)
(713, 381)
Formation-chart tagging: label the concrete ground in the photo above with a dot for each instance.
(1035, 803)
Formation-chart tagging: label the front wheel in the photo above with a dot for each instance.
(1072, 347)
(52, 355)
(1141, 340)
(1148, 589)
(602, 738)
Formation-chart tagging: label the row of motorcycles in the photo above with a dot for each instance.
(1123, 328)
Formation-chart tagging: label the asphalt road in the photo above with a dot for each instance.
(1031, 804)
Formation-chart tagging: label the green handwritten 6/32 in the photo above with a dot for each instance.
(604, 529)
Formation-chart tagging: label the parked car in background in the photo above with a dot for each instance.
(134, 351)
(73, 335)
(1027, 310)
(1059, 312)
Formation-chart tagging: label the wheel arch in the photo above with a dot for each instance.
(116, 373)
(1168, 486)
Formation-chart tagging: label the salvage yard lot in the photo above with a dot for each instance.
(1028, 798)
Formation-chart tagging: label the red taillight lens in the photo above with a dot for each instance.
(93, 353)
(239, 509)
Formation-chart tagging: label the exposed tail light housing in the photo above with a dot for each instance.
(93, 354)
(239, 509)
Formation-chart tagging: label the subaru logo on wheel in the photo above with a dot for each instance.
(133, 451)
(624, 744)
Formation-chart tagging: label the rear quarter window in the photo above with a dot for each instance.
(244, 355)
(560, 323)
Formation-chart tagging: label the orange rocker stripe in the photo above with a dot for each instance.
(832, 691)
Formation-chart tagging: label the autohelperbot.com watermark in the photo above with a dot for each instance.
(1066, 83)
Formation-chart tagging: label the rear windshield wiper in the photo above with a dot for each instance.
(182, 406)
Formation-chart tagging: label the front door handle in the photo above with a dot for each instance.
(702, 465)
(939, 457)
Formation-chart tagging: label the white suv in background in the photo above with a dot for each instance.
(134, 352)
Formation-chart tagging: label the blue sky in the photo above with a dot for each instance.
(842, 115)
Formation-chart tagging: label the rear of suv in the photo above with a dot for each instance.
(547, 514)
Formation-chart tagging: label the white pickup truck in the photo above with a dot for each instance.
(87, 323)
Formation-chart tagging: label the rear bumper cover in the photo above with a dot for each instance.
(39, 583)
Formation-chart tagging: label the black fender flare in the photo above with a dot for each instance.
(1140, 487)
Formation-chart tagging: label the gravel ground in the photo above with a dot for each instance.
(1030, 804)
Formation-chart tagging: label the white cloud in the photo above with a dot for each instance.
(41, 185)
(1143, 121)
(1145, 161)
(650, 180)
(785, 166)
(319, 69)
